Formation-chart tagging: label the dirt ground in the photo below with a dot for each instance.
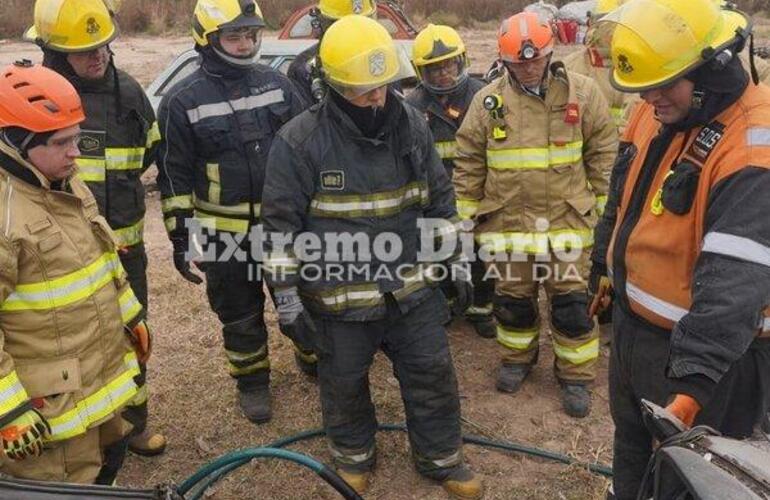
(194, 404)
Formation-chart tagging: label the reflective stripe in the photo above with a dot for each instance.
(124, 158)
(129, 306)
(64, 290)
(183, 202)
(537, 243)
(467, 208)
(12, 393)
(518, 340)
(153, 135)
(380, 204)
(227, 108)
(98, 405)
(129, 236)
(222, 223)
(91, 169)
(356, 458)
(416, 279)
(141, 397)
(601, 204)
(245, 363)
(758, 136)
(344, 297)
(618, 114)
(737, 247)
(281, 264)
(215, 185)
(535, 157)
(660, 307)
(239, 209)
(484, 310)
(447, 150)
(452, 459)
(577, 355)
(170, 223)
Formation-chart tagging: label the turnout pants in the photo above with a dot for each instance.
(575, 336)
(416, 344)
(637, 370)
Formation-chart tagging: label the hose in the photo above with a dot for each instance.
(212, 472)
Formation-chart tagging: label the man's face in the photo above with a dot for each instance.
(374, 98)
(240, 43)
(443, 74)
(673, 102)
(56, 159)
(529, 73)
(91, 65)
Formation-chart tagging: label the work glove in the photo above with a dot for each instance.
(181, 263)
(600, 288)
(294, 321)
(463, 285)
(141, 341)
(685, 408)
(23, 437)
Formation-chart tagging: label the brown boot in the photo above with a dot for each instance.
(464, 484)
(359, 481)
(147, 444)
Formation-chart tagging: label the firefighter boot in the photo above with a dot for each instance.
(255, 404)
(575, 399)
(485, 327)
(463, 484)
(510, 377)
(358, 480)
(307, 363)
(147, 444)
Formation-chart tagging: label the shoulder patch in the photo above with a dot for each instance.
(333, 180)
(706, 140)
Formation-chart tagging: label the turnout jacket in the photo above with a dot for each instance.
(444, 120)
(325, 178)
(301, 72)
(217, 126)
(689, 252)
(64, 301)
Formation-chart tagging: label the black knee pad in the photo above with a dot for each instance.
(569, 314)
(246, 335)
(515, 313)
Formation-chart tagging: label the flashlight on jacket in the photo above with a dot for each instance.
(493, 102)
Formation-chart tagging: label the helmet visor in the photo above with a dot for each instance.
(444, 76)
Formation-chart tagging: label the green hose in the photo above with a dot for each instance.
(212, 472)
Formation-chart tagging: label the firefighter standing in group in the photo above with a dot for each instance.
(534, 155)
(363, 163)
(117, 145)
(66, 365)
(443, 96)
(687, 253)
(217, 126)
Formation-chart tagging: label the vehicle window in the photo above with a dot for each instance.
(389, 25)
(266, 60)
(186, 68)
(284, 67)
(302, 28)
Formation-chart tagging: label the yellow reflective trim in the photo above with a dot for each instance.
(12, 393)
(142, 395)
(182, 202)
(131, 235)
(239, 209)
(577, 355)
(535, 158)
(537, 243)
(153, 135)
(170, 223)
(517, 340)
(105, 401)
(215, 187)
(601, 204)
(618, 114)
(129, 306)
(222, 223)
(381, 204)
(91, 169)
(66, 289)
(447, 150)
(124, 158)
(467, 208)
(236, 371)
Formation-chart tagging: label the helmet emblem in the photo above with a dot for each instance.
(92, 27)
(623, 65)
(377, 63)
(358, 6)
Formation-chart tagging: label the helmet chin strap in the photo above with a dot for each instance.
(238, 62)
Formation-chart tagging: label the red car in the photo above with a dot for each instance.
(389, 14)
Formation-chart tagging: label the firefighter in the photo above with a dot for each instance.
(118, 143)
(363, 164)
(303, 70)
(534, 154)
(217, 126)
(443, 96)
(66, 364)
(687, 253)
(593, 61)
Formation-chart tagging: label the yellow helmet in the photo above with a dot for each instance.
(439, 44)
(654, 42)
(604, 7)
(357, 55)
(210, 16)
(337, 9)
(72, 25)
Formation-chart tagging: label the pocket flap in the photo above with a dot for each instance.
(50, 242)
(50, 377)
(583, 204)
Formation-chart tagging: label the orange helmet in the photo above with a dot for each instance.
(37, 99)
(524, 37)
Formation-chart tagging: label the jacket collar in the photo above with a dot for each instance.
(12, 162)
